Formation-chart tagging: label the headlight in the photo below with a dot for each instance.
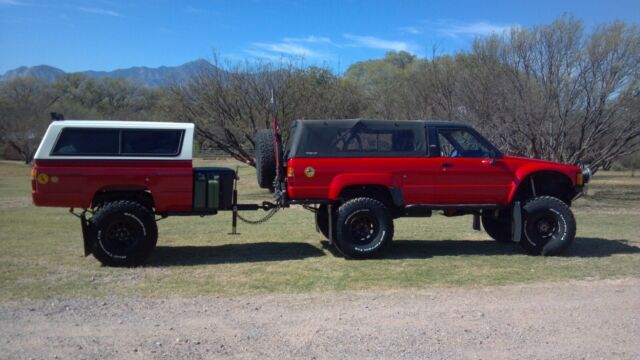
(586, 174)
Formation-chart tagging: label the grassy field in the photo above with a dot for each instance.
(41, 250)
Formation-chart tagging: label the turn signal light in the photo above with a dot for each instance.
(290, 171)
(580, 180)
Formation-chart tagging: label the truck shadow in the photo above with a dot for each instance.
(582, 247)
(231, 253)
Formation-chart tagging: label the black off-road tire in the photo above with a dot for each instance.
(364, 228)
(498, 228)
(548, 226)
(124, 233)
(265, 158)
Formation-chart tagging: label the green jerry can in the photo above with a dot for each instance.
(200, 191)
(213, 192)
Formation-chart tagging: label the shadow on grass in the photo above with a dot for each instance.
(581, 247)
(231, 253)
(422, 249)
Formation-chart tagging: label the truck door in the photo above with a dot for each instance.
(471, 171)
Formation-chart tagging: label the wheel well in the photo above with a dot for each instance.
(143, 197)
(548, 183)
(377, 192)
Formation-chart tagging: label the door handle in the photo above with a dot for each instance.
(447, 164)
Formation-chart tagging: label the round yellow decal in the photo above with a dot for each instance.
(43, 178)
(309, 171)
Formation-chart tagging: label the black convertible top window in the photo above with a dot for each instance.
(363, 138)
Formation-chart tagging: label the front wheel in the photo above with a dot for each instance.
(364, 228)
(124, 232)
(548, 226)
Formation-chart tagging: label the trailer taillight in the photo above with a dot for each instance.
(290, 171)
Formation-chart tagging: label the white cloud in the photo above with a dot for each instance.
(262, 55)
(377, 43)
(410, 30)
(477, 28)
(99, 11)
(311, 39)
(286, 49)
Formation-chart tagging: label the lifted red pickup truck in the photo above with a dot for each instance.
(356, 175)
(364, 173)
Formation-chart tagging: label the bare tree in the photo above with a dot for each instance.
(24, 103)
(552, 92)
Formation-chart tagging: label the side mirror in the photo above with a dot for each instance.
(492, 156)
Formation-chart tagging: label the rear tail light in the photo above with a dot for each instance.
(290, 171)
(34, 173)
(579, 179)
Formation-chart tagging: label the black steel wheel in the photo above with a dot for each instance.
(124, 233)
(364, 228)
(548, 226)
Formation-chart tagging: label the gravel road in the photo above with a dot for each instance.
(572, 320)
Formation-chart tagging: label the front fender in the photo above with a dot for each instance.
(524, 171)
(343, 180)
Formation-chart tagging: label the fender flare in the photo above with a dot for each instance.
(525, 171)
(387, 180)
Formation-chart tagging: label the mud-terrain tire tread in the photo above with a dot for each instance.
(109, 212)
(348, 248)
(548, 202)
(265, 158)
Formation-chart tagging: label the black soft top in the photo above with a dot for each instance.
(360, 137)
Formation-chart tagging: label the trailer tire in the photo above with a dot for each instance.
(364, 228)
(548, 226)
(265, 158)
(124, 232)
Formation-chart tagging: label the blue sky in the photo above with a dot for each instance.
(109, 34)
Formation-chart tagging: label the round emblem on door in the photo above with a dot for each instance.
(309, 171)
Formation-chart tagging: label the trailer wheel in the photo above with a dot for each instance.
(548, 226)
(125, 233)
(364, 228)
(498, 228)
(265, 158)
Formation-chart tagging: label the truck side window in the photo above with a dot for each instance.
(81, 142)
(151, 142)
(461, 143)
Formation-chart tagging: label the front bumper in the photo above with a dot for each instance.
(580, 190)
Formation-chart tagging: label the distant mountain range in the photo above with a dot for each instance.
(151, 77)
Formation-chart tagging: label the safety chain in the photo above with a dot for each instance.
(260, 221)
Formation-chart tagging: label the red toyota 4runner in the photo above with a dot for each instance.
(365, 173)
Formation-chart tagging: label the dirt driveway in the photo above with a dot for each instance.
(574, 320)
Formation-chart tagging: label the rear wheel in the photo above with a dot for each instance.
(125, 233)
(548, 226)
(265, 158)
(364, 228)
(498, 228)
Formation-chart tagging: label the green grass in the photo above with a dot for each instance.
(41, 250)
